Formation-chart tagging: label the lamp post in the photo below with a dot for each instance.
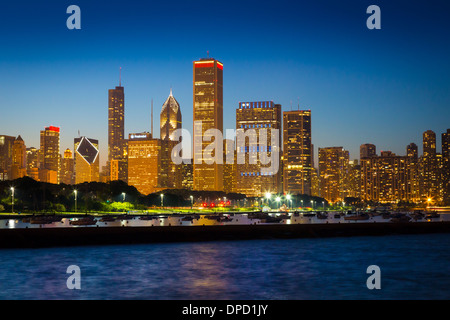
(278, 199)
(162, 200)
(123, 195)
(76, 192)
(302, 204)
(429, 202)
(192, 202)
(12, 199)
(288, 197)
(268, 196)
(323, 205)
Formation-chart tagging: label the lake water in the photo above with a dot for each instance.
(412, 267)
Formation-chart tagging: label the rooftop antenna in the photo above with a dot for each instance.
(120, 76)
(152, 120)
(207, 54)
(171, 91)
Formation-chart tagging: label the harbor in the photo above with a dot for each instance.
(54, 231)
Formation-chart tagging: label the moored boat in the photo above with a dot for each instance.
(362, 216)
(88, 221)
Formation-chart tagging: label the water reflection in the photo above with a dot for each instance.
(413, 267)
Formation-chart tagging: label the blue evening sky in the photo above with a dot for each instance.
(383, 86)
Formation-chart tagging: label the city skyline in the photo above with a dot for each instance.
(334, 66)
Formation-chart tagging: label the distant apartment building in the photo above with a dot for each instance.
(446, 166)
(367, 150)
(333, 170)
(386, 178)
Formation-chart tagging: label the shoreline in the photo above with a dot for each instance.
(93, 236)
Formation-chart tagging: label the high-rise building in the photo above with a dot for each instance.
(353, 179)
(170, 118)
(333, 169)
(170, 172)
(412, 152)
(144, 162)
(367, 150)
(187, 175)
(33, 163)
(429, 180)
(229, 169)
(49, 155)
(256, 121)
(208, 114)
(19, 166)
(446, 166)
(297, 152)
(67, 165)
(6, 158)
(386, 178)
(315, 183)
(116, 123)
(86, 161)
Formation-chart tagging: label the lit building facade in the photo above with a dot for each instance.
(386, 178)
(19, 165)
(116, 130)
(297, 152)
(49, 156)
(333, 170)
(187, 175)
(229, 169)
(353, 179)
(252, 120)
(170, 118)
(6, 156)
(144, 162)
(446, 166)
(33, 163)
(86, 161)
(428, 168)
(412, 152)
(170, 121)
(67, 165)
(208, 114)
(367, 150)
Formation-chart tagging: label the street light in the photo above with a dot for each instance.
(12, 199)
(429, 201)
(278, 199)
(288, 197)
(323, 205)
(192, 201)
(268, 196)
(76, 192)
(162, 201)
(123, 194)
